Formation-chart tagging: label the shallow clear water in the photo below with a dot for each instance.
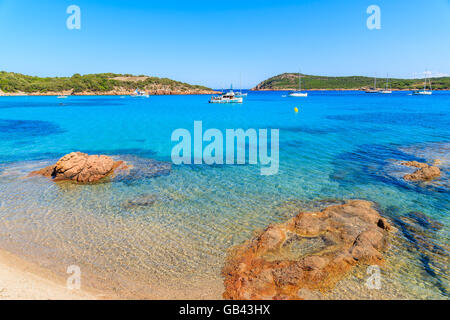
(340, 145)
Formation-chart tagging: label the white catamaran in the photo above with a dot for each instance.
(425, 91)
(298, 93)
(241, 94)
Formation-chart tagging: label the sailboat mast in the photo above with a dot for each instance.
(240, 83)
(425, 82)
(299, 82)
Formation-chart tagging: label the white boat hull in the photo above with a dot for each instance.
(298, 94)
(229, 97)
(422, 92)
(235, 100)
(385, 91)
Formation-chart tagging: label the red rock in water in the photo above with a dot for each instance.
(422, 174)
(80, 167)
(415, 164)
(309, 253)
(425, 171)
(46, 172)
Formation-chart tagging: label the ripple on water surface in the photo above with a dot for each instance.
(167, 236)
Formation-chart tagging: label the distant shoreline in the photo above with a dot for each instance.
(362, 90)
(56, 94)
(89, 94)
(101, 84)
(293, 81)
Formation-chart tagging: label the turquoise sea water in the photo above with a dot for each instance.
(340, 145)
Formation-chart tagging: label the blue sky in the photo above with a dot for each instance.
(215, 42)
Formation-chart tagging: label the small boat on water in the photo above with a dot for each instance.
(61, 97)
(374, 89)
(298, 93)
(229, 97)
(387, 89)
(241, 94)
(422, 92)
(425, 91)
(139, 94)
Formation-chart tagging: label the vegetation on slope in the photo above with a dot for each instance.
(289, 81)
(103, 82)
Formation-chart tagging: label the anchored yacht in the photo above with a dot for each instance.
(240, 94)
(425, 91)
(140, 94)
(298, 93)
(229, 97)
(374, 89)
(387, 88)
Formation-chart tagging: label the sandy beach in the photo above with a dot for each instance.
(21, 280)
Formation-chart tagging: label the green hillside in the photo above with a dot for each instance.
(94, 83)
(289, 81)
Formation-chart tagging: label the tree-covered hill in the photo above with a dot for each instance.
(289, 81)
(101, 83)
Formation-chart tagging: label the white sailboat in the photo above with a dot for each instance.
(387, 89)
(298, 93)
(241, 94)
(425, 91)
(374, 89)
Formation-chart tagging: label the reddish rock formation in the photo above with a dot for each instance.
(310, 252)
(415, 164)
(117, 92)
(425, 171)
(80, 167)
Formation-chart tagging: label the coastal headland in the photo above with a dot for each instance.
(102, 84)
(290, 81)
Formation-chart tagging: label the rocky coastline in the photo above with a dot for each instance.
(155, 92)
